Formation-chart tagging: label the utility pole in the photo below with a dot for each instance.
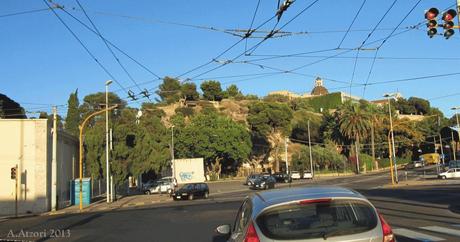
(458, 11)
(107, 166)
(374, 164)
(309, 147)
(392, 136)
(54, 163)
(442, 151)
(173, 165)
(453, 144)
(286, 154)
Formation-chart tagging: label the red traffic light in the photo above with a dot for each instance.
(449, 15)
(432, 13)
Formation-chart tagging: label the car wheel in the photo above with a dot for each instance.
(190, 197)
(206, 195)
(148, 192)
(443, 177)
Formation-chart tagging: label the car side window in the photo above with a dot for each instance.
(243, 218)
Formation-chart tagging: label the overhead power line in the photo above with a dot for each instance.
(84, 46)
(24, 12)
(110, 49)
(352, 22)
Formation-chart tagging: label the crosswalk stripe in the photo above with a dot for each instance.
(443, 230)
(416, 235)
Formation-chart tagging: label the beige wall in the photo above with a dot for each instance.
(27, 143)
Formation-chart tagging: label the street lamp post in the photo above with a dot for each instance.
(107, 192)
(173, 165)
(388, 96)
(82, 128)
(458, 127)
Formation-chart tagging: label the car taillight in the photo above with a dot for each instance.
(388, 235)
(251, 235)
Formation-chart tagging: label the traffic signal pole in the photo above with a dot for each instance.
(458, 18)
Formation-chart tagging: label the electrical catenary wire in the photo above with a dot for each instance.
(250, 26)
(109, 48)
(24, 12)
(351, 24)
(84, 46)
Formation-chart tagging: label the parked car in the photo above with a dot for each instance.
(251, 178)
(191, 191)
(307, 175)
(450, 173)
(264, 182)
(148, 184)
(295, 175)
(169, 179)
(307, 214)
(282, 177)
(159, 187)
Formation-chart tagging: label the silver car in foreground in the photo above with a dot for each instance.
(307, 214)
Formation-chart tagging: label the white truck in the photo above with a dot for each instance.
(189, 170)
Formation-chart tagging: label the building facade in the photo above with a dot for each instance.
(27, 144)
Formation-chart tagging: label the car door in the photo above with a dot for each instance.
(456, 173)
(241, 223)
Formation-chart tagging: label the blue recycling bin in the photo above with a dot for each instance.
(75, 191)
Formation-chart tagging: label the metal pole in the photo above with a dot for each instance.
(454, 146)
(54, 163)
(16, 193)
(107, 167)
(393, 142)
(82, 128)
(286, 154)
(173, 165)
(458, 11)
(309, 147)
(442, 150)
(374, 163)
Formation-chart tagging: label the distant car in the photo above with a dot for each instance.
(169, 179)
(147, 184)
(307, 214)
(307, 175)
(418, 164)
(159, 187)
(264, 182)
(282, 177)
(251, 178)
(450, 173)
(295, 175)
(191, 191)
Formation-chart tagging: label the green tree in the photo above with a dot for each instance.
(233, 91)
(72, 120)
(212, 90)
(96, 101)
(189, 91)
(170, 90)
(421, 105)
(354, 124)
(300, 126)
(214, 137)
(265, 118)
(10, 109)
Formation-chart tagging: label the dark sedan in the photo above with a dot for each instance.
(191, 191)
(264, 182)
(282, 177)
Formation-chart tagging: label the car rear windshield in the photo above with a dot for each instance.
(321, 219)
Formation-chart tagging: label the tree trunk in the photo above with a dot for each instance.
(357, 153)
(374, 161)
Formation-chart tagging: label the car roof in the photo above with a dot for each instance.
(262, 200)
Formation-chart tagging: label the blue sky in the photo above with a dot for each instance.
(42, 62)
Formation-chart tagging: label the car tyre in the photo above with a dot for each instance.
(443, 177)
(148, 192)
(206, 195)
(190, 197)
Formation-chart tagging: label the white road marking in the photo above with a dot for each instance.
(416, 235)
(443, 230)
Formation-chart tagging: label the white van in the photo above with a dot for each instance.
(451, 173)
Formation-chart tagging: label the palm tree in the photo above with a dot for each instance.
(354, 123)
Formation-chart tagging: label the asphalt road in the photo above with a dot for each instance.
(416, 213)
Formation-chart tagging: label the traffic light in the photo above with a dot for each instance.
(13, 173)
(448, 25)
(432, 23)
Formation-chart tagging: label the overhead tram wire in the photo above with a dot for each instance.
(24, 12)
(260, 42)
(110, 49)
(351, 24)
(249, 32)
(226, 50)
(112, 44)
(383, 42)
(366, 39)
(84, 46)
